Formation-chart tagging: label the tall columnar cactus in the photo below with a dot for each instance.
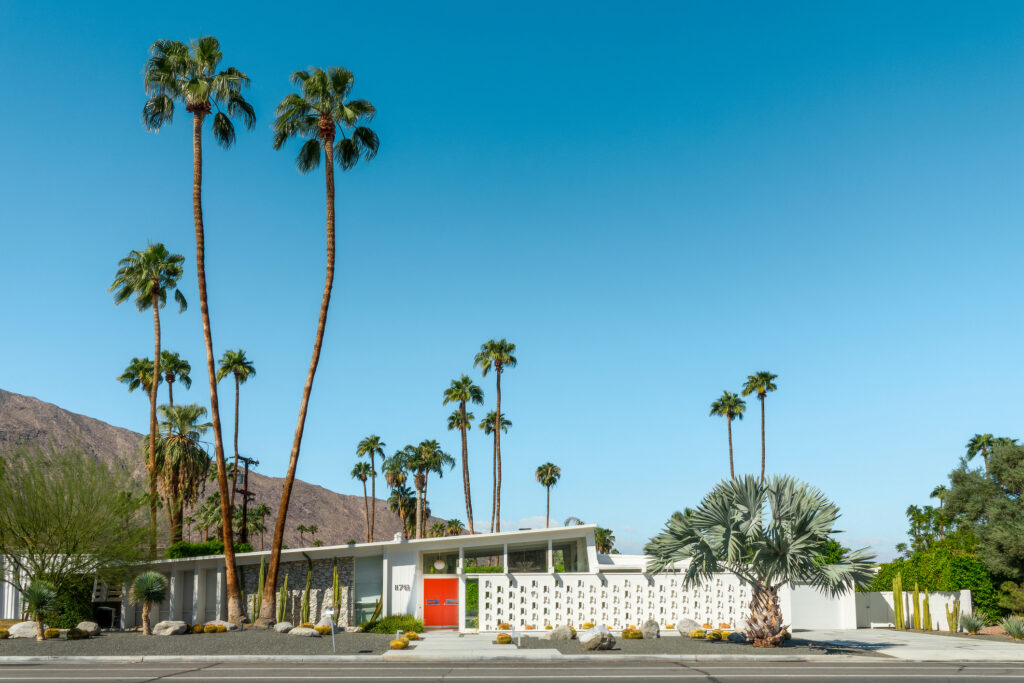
(897, 602)
(304, 610)
(953, 617)
(336, 592)
(282, 600)
(917, 609)
(257, 599)
(926, 619)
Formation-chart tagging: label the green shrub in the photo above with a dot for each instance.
(72, 605)
(472, 569)
(186, 549)
(392, 624)
(77, 634)
(972, 623)
(942, 569)
(4, 634)
(1014, 627)
(51, 633)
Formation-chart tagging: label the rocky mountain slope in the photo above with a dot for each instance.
(340, 517)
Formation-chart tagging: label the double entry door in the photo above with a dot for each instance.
(441, 602)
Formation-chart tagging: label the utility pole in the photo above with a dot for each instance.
(246, 496)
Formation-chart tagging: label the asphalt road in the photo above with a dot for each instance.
(875, 671)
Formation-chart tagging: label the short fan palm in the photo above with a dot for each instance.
(150, 588)
(39, 599)
(767, 534)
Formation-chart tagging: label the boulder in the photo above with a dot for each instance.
(561, 633)
(90, 627)
(170, 628)
(283, 626)
(24, 629)
(684, 626)
(304, 632)
(597, 638)
(328, 621)
(226, 624)
(651, 629)
(737, 637)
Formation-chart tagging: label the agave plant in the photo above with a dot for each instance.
(1014, 626)
(972, 623)
(769, 534)
(39, 599)
(150, 588)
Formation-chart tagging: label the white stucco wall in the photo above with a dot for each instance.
(403, 582)
(875, 610)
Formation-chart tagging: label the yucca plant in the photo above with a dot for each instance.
(39, 599)
(769, 534)
(149, 588)
(972, 623)
(1014, 626)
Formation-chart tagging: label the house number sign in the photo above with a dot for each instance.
(402, 587)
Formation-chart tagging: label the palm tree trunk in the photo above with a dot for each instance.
(465, 468)
(146, 630)
(762, 439)
(234, 472)
(170, 392)
(373, 496)
(245, 494)
(152, 424)
(366, 504)
(39, 629)
(235, 612)
(419, 508)
(732, 471)
(497, 457)
(547, 512)
(764, 625)
(268, 611)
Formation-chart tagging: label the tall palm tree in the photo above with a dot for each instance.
(320, 113)
(235, 363)
(183, 463)
(573, 521)
(462, 391)
(176, 72)
(260, 513)
(138, 375)
(246, 495)
(496, 355)
(423, 459)
(729, 406)
(604, 540)
(189, 521)
(548, 475)
(209, 516)
(372, 447)
(302, 528)
(453, 527)
(361, 471)
(760, 383)
(147, 277)
(174, 369)
(401, 502)
(437, 529)
(312, 530)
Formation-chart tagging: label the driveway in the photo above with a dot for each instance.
(921, 646)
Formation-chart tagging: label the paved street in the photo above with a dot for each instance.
(922, 646)
(876, 671)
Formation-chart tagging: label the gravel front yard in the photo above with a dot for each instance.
(689, 646)
(248, 642)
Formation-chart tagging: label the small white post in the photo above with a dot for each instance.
(329, 613)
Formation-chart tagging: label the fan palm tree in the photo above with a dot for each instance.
(496, 355)
(320, 113)
(769, 535)
(235, 363)
(604, 540)
(260, 513)
(729, 406)
(174, 369)
(463, 391)
(302, 528)
(372, 447)
(548, 475)
(760, 383)
(423, 459)
(149, 588)
(148, 277)
(138, 375)
(209, 515)
(312, 530)
(453, 527)
(402, 503)
(38, 600)
(188, 74)
(183, 463)
(189, 521)
(573, 521)
(437, 530)
(361, 471)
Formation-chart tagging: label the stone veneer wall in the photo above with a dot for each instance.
(320, 593)
(614, 600)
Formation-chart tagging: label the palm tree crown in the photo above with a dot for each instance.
(183, 463)
(236, 364)
(463, 390)
(730, 406)
(548, 474)
(174, 368)
(371, 448)
(760, 383)
(138, 374)
(496, 355)
(188, 73)
(487, 424)
(148, 274)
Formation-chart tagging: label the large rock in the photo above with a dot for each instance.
(684, 626)
(24, 629)
(283, 626)
(170, 628)
(737, 637)
(304, 632)
(597, 638)
(328, 621)
(227, 624)
(651, 629)
(561, 633)
(90, 627)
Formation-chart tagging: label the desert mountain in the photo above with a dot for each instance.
(340, 517)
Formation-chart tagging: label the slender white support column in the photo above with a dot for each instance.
(220, 594)
(462, 557)
(198, 596)
(504, 557)
(551, 559)
(173, 595)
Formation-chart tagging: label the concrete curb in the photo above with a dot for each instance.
(178, 659)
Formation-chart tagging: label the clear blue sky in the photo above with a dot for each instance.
(650, 201)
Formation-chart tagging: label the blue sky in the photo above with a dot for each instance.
(651, 201)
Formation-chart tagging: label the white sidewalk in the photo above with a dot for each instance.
(921, 646)
(450, 646)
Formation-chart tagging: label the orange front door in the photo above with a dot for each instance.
(441, 603)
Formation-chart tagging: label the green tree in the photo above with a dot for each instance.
(148, 589)
(497, 355)
(39, 599)
(437, 530)
(148, 277)
(760, 383)
(463, 391)
(361, 471)
(138, 375)
(729, 406)
(453, 527)
(261, 512)
(182, 461)
(402, 502)
(371, 448)
(320, 113)
(235, 363)
(174, 369)
(302, 529)
(312, 530)
(980, 444)
(769, 535)
(209, 516)
(604, 540)
(423, 460)
(548, 475)
(188, 74)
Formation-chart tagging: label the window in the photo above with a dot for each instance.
(433, 561)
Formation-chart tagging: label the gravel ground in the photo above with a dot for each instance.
(248, 642)
(689, 646)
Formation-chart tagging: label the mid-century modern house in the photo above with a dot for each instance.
(527, 578)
